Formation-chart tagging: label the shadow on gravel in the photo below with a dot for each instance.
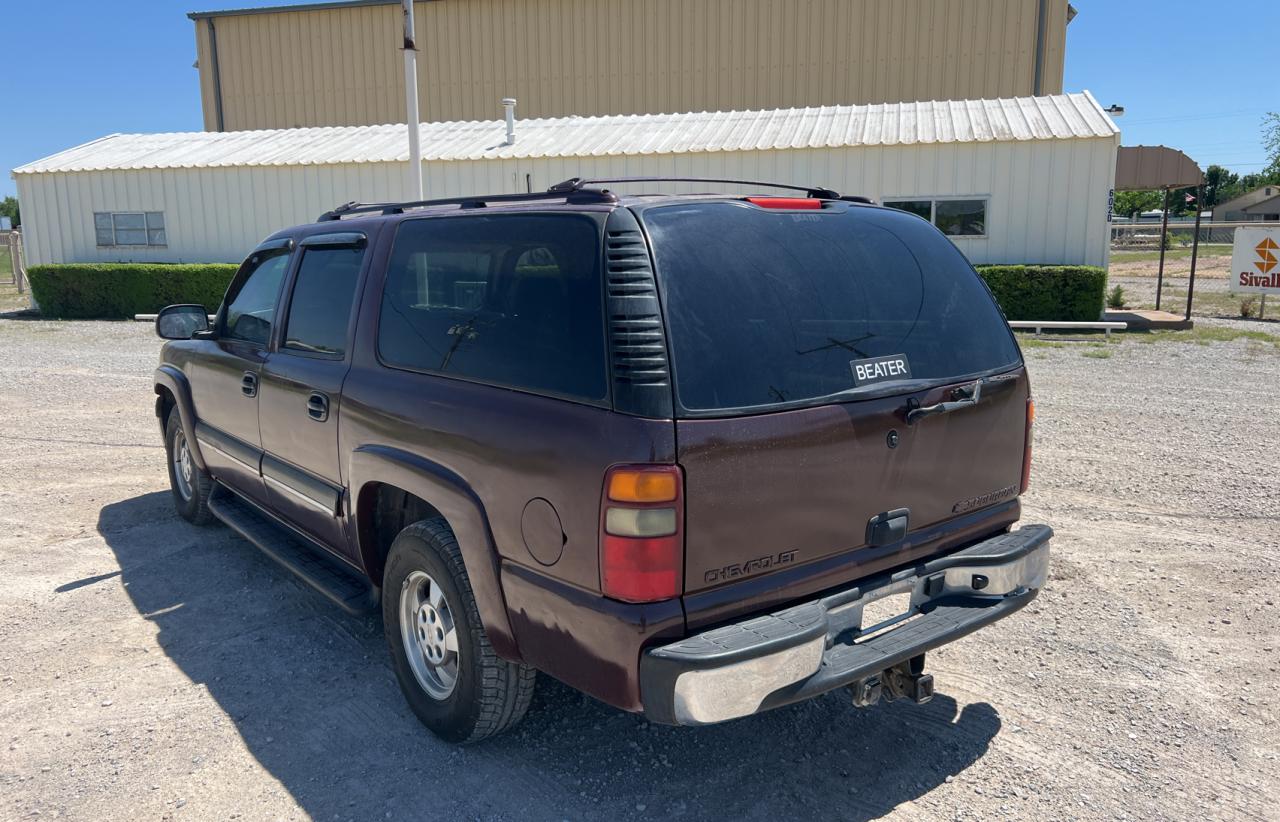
(313, 698)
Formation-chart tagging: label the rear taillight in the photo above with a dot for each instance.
(1026, 450)
(641, 533)
(804, 203)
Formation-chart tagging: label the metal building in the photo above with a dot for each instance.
(1020, 180)
(336, 63)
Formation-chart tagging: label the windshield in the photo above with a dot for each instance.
(768, 307)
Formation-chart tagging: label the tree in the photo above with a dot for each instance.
(1271, 139)
(1220, 185)
(1129, 203)
(9, 208)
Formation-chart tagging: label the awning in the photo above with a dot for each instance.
(1144, 168)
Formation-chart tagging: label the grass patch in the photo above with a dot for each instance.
(11, 300)
(6, 264)
(1100, 348)
(1027, 341)
(1206, 250)
(1206, 334)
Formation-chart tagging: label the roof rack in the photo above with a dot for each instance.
(577, 196)
(574, 190)
(817, 192)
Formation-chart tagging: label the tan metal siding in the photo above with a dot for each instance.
(204, 61)
(1055, 52)
(561, 57)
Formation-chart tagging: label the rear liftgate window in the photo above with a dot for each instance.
(770, 307)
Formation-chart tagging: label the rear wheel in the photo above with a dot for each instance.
(190, 484)
(447, 669)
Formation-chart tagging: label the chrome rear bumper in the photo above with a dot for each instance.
(773, 660)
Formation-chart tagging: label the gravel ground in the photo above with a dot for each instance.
(151, 669)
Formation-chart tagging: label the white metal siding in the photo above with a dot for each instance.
(1047, 198)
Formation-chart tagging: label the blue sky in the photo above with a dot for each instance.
(75, 70)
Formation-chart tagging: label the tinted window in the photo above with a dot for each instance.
(920, 208)
(513, 300)
(955, 218)
(767, 307)
(251, 303)
(961, 218)
(322, 296)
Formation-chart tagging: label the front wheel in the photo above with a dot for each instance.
(190, 485)
(447, 669)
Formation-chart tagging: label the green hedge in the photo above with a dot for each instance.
(117, 291)
(1047, 292)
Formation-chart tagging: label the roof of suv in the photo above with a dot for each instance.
(574, 194)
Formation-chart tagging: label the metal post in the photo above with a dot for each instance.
(20, 264)
(1164, 234)
(1195, 249)
(1262, 308)
(411, 101)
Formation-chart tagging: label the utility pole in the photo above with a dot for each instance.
(411, 101)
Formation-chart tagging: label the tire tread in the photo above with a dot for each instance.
(505, 688)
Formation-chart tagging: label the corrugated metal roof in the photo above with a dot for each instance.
(1064, 116)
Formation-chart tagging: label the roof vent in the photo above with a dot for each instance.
(509, 105)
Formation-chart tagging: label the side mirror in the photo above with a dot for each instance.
(181, 322)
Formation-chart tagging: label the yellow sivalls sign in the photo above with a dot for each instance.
(1255, 261)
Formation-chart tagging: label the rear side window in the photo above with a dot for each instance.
(768, 307)
(323, 293)
(514, 300)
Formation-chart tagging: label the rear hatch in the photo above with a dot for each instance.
(800, 340)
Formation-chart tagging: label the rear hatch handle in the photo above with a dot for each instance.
(965, 396)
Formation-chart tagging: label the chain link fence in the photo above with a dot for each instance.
(14, 291)
(1146, 283)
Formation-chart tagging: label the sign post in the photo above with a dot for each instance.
(1255, 262)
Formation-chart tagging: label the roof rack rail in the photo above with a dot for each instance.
(817, 192)
(589, 195)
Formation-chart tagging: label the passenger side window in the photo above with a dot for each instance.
(323, 294)
(251, 304)
(515, 300)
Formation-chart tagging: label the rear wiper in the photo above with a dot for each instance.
(966, 396)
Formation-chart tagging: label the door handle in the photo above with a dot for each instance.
(318, 406)
(249, 384)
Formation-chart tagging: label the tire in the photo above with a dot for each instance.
(190, 485)
(426, 598)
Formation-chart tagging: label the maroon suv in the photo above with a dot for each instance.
(698, 456)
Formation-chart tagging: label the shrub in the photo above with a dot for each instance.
(1047, 292)
(1115, 298)
(117, 291)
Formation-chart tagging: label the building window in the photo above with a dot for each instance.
(116, 228)
(953, 217)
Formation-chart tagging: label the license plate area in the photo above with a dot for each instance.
(884, 614)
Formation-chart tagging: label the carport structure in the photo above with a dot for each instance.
(1147, 168)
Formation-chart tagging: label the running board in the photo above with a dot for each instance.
(344, 588)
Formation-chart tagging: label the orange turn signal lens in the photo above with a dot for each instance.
(644, 485)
